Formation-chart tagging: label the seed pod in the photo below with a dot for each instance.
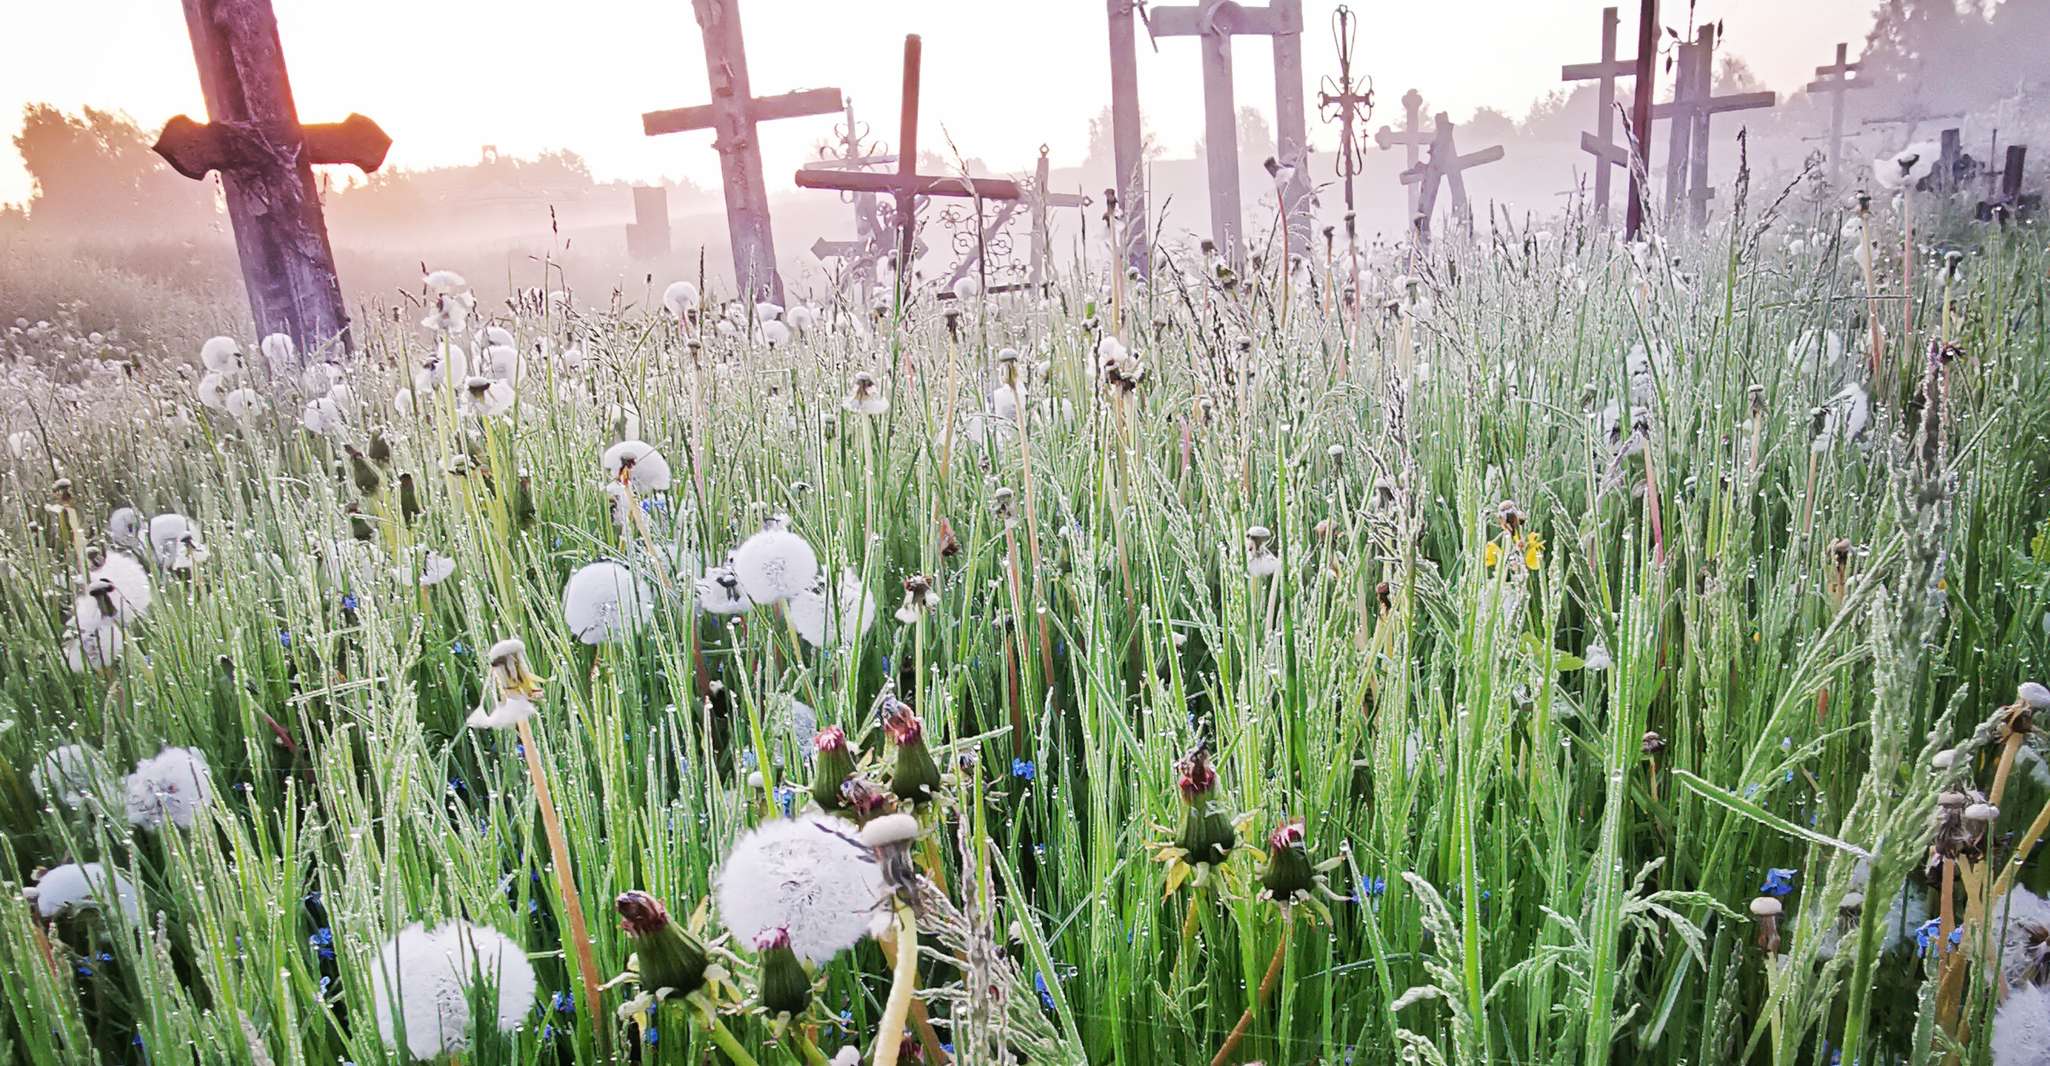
(670, 957)
(786, 988)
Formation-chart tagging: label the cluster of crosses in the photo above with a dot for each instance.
(265, 155)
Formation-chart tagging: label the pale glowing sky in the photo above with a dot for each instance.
(445, 77)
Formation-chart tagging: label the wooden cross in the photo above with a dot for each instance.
(906, 185)
(1412, 138)
(1216, 22)
(1601, 143)
(1348, 104)
(2011, 202)
(1044, 198)
(1127, 139)
(732, 116)
(1836, 80)
(266, 161)
(1694, 103)
(647, 236)
(1640, 111)
(1445, 165)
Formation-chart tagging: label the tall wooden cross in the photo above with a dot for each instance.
(1694, 103)
(732, 116)
(1043, 200)
(906, 185)
(1127, 139)
(1601, 143)
(1446, 166)
(1412, 138)
(1216, 22)
(1348, 104)
(266, 161)
(1640, 111)
(1836, 80)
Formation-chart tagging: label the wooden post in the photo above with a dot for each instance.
(1412, 138)
(1694, 104)
(647, 236)
(1446, 165)
(1291, 131)
(1836, 80)
(1601, 144)
(732, 116)
(266, 160)
(1640, 112)
(1127, 138)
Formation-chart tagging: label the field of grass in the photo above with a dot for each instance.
(1582, 653)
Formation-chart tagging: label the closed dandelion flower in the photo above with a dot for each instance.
(427, 981)
(668, 959)
(72, 887)
(865, 396)
(805, 877)
(1291, 878)
(785, 987)
(173, 786)
(915, 778)
(774, 565)
(839, 620)
(67, 775)
(832, 765)
(604, 602)
(512, 690)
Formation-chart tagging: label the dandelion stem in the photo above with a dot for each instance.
(723, 1037)
(1238, 1032)
(890, 1030)
(565, 874)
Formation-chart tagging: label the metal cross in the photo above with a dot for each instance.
(906, 185)
(859, 257)
(266, 161)
(1447, 165)
(1216, 22)
(1412, 138)
(1601, 143)
(1694, 103)
(1348, 104)
(732, 116)
(1836, 80)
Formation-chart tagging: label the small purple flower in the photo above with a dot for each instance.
(1024, 770)
(1779, 881)
(1373, 887)
(323, 942)
(1045, 994)
(348, 601)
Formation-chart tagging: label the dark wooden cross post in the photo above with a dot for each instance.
(1127, 138)
(1836, 80)
(1694, 104)
(1216, 22)
(1350, 102)
(907, 185)
(1412, 138)
(732, 116)
(1448, 166)
(1601, 143)
(266, 161)
(1640, 111)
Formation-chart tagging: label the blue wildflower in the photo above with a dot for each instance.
(1779, 881)
(563, 1003)
(1024, 770)
(349, 601)
(1373, 887)
(786, 800)
(1045, 994)
(284, 638)
(651, 1035)
(323, 942)
(1927, 933)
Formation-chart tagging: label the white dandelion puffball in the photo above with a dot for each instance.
(2022, 936)
(425, 981)
(967, 288)
(800, 874)
(124, 527)
(509, 710)
(222, 355)
(679, 298)
(444, 281)
(213, 391)
(642, 464)
(775, 565)
(435, 567)
(1907, 166)
(768, 312)
(279, 350)
(322, 417)
(67, 775)
(94, 647)
(842, 619)
(243, 404)
(501, 362)
(801, 318)
(72, 886)
(775, 334)
(720, 592)
(321, 378)
(494, 337)
(846, 1056)
(485, 397)
(604, 602)
(173, 786)
(402, 403)
(127, 585)
(2021, 1028)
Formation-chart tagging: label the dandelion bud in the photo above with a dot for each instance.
(1766, 911)
(1207, 836)
(1003, 504)
(366, 477)
(832, 765)
(670, 957)
(916, 778)
(1653, 743)
(1289, 877)
(786, 988)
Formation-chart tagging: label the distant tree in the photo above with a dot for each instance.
(1102, 154)
(95, 171)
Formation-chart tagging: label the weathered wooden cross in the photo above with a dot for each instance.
(732, 116)
(1694, 103)
(1348, 104)
(266, 161)
(1836, 80)
(1412, 138)
(1216, 22)
(906, 185)
(1601, 143)
(1127, 139)
(1445, 165)
(1640, 111)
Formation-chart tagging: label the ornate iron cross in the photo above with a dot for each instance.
(1349, 103)
(733, 115)
(266, 162)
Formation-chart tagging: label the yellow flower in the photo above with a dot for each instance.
(1533, 551)
(1491, 555)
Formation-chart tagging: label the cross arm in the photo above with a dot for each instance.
(1742, 102)
(1227, 17)
(918, 184)
(1832, 85)
(1839, 68)
(760, 109)
(194, 148)
(1604, 151)
(1388, 138)
(1620, 68)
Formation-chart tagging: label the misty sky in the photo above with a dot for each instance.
(445, 77)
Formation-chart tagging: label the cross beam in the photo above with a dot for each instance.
(1835, 79)
(1601, 144)
(1694, 103)
(1446, 165)
(1413, 137)
(732, 116)
(906, 185)
(266, 161)
(1216, 22)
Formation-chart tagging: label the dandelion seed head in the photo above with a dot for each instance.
(775, 565)
(63, 889)
(604, 602)
(800, 875)
(424, 981)
(172, 786)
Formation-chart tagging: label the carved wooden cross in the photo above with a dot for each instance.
(1348, 104)
(1694, 103)
(266, 162)
(1601, 143)
(1412, 138)
(1836, 80)
(906, 185)
(1127, 139)
(732, 116)
(1447, 165)
(1640, 111)
(1216, 22)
